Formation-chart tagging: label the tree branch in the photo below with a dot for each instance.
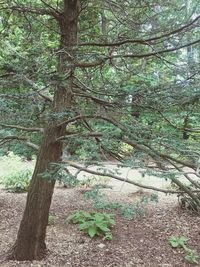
(47, 98)
(166, 191)
(6, 75)
(18, 138)
(51, 7)
(156, 155)
(91, 134)
(32, 129)
(83, 64)
(37, 11)
(95, 99)
(154, 52)
(141, 41)
(80, 117)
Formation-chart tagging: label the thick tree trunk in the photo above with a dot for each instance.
(30, 243)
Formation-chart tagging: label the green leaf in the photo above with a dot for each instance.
(93, 223)
(108, 236)
(173, 240)
(192, 258)
(174, 244)
(92, 231)
(182, 240)
(102, 227)
(85, 225)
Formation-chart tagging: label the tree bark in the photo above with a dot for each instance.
(30, 243)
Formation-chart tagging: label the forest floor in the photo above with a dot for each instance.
(140, 241)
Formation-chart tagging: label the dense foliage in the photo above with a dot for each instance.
(135, 85)
(110, 80)
(153, 97)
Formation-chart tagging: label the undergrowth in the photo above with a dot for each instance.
(127, 210)
(17, 182)
(94, 223)
(181, 241)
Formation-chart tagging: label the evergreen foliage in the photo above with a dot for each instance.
(101, 80)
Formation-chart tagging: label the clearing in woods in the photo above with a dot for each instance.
(140, 241)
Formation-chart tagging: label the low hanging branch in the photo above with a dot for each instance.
(23, 139)
(166, 191)
(131, 141)
(193, 182)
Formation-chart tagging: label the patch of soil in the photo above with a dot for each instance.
(138, 242)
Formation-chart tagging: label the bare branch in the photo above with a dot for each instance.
(196, 184)
(48, 98)
(80, 117)
(192, 130)
(32, 129)
(81, 168)
(154, 53)
(6, 75)
(91, 134)
(37, 11)
(95, 99)
(25, 140)
(83, 64)
(32, 145)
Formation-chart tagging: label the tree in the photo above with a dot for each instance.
(116, 81)
(30, 240)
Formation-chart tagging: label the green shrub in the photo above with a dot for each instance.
(127, 210)
(68, 180)
(92, 181)
(181, 241)
(94, 223)
(17, 182)
(12, 164)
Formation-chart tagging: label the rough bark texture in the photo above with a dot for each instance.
(30, 243)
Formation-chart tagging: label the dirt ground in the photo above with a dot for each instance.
(141, 241)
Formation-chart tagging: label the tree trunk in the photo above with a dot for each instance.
(30, 243)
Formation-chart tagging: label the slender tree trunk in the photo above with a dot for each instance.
(30, 243)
